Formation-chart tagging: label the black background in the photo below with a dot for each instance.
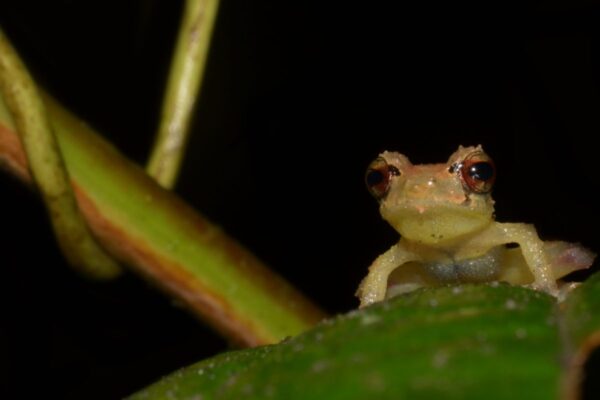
(298, 98)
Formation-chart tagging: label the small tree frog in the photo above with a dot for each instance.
(445, 216)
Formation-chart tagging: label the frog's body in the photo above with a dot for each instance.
(445, 215)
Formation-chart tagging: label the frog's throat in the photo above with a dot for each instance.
(439, 226)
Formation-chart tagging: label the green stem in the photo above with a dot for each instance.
(166, 241)
(48, 169)
(185, 78)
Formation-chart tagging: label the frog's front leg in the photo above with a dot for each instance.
(531, 247)
(373, 288)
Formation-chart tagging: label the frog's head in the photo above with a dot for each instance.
(434, 203)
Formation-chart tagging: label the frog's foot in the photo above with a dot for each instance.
(549, 287)
(563, 258)
(401, 288)
(560, 292)
(564, 288)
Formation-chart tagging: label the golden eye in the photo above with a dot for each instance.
(478, 172)
(379, 176)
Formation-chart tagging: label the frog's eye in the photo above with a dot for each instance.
(379, 176)
(478, 172)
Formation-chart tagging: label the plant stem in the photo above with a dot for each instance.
(48, 168)
(185, 79)
(166, 241)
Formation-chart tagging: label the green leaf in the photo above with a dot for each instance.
(581, 331)
(462, 342)
(582, 318)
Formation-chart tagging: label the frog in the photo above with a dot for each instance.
(445, 216)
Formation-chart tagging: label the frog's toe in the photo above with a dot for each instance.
(401, 288)
(550, 288)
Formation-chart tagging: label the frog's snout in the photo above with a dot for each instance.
(421, 189)
(429, 190)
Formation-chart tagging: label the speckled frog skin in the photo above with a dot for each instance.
(445, 216)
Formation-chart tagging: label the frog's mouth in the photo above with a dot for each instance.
(439, 225)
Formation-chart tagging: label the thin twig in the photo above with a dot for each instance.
(48, 168)
(185, 79)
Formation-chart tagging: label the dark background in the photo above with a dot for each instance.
(298, 98)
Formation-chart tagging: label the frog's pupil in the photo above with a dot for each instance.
(374, 177)
(482, 171)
